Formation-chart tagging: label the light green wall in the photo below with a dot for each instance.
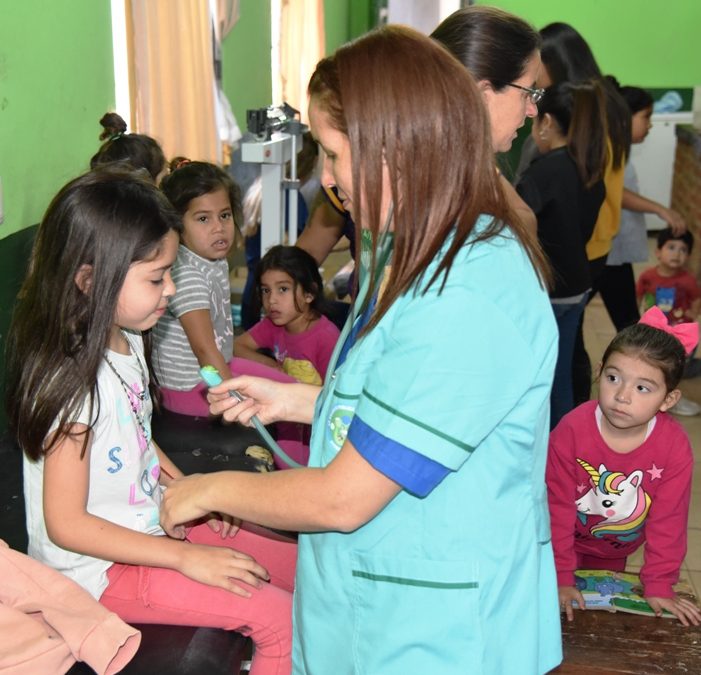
(246, 76)
(336, 23)
(55, 84)
(646, 43)
(246, 54)
(56, 81)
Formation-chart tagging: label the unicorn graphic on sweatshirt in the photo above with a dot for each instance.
(619, 498)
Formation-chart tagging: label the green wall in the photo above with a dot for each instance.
(246, 69)
(55, 84)
(336, 23)
(645, 43)
(56, 81)
(246, 63)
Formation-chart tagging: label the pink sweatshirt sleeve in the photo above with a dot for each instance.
(666, 525)
(560, 478)
(55, 622)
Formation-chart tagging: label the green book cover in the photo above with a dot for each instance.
(619, 592)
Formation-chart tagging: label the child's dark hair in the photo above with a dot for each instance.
(194, 179)
(637, 99)
(654, 346)
(136, 150)
(96, 227)
(663, 236)
(579, 109)
(301, 267)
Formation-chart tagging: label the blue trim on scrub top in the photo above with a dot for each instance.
(413, 471)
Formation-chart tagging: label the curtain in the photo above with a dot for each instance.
(174, 83)
(301, 47)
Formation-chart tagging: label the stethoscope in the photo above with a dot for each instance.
(384, 250)
(367, 280)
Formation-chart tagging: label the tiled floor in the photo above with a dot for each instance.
(598, 332)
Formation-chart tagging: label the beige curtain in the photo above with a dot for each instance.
(301, 47)
(174, 88)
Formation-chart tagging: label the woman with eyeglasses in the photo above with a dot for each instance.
(502, 53)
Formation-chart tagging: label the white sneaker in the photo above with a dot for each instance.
(686, 407)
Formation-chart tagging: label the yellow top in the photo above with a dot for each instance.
(609, 219)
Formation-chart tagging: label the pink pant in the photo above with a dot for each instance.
(293, 438)
(140, 594)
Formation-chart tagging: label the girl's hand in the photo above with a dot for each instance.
(685, 610)
(675, 221)
(225, 525)
(566, 595)
(220, 566)
(262, 397)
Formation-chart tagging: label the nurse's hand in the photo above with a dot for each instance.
(270, 401)
(568, 594)
(185, 500)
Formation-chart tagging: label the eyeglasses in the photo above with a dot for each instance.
(534, 94)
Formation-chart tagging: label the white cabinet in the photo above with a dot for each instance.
(653, 160)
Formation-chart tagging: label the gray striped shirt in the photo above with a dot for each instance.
(200, 284)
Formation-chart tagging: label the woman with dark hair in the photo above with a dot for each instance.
(564, 187)
(501, 51)
(137, 151)
(423, 508)
(568, 58)
(617, 282)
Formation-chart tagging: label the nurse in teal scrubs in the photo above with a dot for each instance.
(425, 541)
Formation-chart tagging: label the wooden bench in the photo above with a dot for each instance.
(606, 643)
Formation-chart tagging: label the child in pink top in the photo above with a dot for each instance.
(294, 337)
(298, 337)
(619, 470)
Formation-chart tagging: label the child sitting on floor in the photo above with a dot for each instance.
(298, 336)
(619, 469)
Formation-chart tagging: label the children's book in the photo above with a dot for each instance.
(620, 592)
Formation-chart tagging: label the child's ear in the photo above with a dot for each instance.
(670, 400)
(83, 278)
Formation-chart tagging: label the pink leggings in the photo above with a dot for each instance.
(157, 595)
(293, 438)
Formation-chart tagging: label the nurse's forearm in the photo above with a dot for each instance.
(341, 497)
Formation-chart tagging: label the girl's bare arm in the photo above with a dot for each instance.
(198, 327)
(72, 527)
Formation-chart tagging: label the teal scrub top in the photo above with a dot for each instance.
(461, 580)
